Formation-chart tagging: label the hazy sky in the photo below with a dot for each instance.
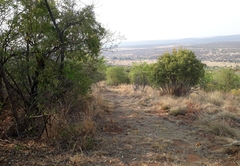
(169, 19)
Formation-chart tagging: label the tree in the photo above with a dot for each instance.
(48, 48)
(177, 72)
(7, 34)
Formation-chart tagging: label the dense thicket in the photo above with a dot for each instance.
(49, 48)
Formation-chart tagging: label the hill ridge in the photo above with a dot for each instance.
(184, 41)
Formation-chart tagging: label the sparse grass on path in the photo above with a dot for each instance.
(140, 128)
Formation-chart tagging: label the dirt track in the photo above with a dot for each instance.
(132, 133)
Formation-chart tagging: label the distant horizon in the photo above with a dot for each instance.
(184, 41)
(180, 38)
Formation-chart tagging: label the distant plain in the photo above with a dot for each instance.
(214, 52)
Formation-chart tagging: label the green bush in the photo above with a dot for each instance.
(225, 79)
(116, 75)
(207, 83)
(138, 75)
(177, 72)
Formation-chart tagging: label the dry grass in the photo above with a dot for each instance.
(210, 103)
(227, 115)
(74, 127)
(220, 113)
(178, 110)
(212, 123)
(232, 104)
(216, 112)
(220, 128)
(80, 159)
(216, 98)
(66, 134)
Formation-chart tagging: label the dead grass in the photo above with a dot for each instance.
(232, 104)
(220, 128)
(74, 127)
(178, 110)
(220, 114)
(214, 112)
(216, 98)
(65, 134)
(227, 115)
(80, 159)
(198, 102)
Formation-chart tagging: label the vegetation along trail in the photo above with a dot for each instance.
(133, 131)
(62, 103)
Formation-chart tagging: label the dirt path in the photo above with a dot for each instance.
(131, 132)
(134, 134)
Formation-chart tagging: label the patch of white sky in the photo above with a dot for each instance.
(169, 19)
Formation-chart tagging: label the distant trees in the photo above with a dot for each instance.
(176, 73)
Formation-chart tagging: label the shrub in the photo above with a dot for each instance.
(206, 83)
(226, 79)
(138, 75)
(116, 75)
(223, 79)
(176, 73)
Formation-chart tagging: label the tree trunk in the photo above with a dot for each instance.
(60, 35)
(10, 93)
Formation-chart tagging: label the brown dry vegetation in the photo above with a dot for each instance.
(120, 126)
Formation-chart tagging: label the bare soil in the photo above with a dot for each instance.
(131, 133)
